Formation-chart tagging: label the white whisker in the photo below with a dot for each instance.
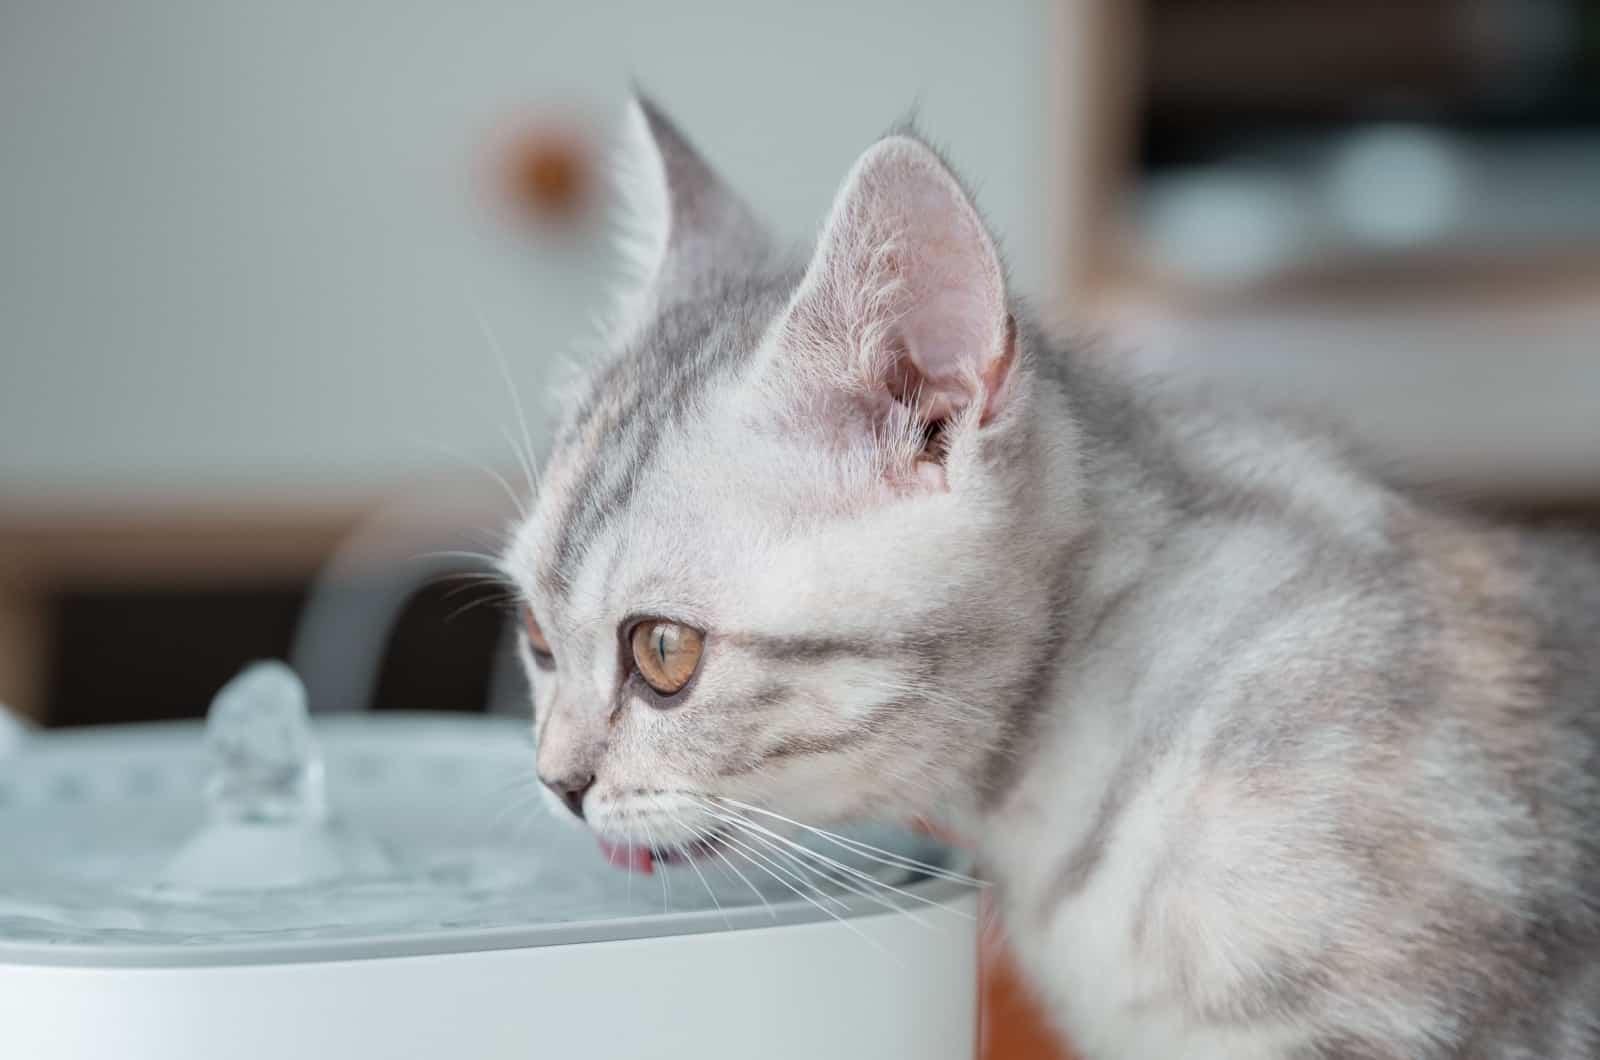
(857, 873)
(455, 553)
(632, 832)
(525, 454)
(715, 849)
(517, 503)
(866, 850)
(689, 857)
(837, 880)
(781, 873)
(471, 604)
(470, 582)
(874, 943)
(666, 884)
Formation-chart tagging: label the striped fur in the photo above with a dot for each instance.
(1269, 758)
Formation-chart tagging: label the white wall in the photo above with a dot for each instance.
(239, 241)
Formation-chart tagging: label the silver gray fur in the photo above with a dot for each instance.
(1267, 757)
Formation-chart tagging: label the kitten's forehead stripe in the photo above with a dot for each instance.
(801, 648)
(645, 393)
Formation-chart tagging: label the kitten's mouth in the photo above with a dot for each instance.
(644, 859)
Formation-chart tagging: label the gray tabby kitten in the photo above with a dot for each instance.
(1266, 758)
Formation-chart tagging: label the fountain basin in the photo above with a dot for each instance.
(491, 929)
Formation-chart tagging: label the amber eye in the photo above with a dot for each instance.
(536, 641)
(666, 654)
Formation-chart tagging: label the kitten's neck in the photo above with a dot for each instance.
(1095, 525)
(1157, 482)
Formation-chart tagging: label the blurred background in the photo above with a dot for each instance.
(256, 259)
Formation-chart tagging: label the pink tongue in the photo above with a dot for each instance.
(632, 858)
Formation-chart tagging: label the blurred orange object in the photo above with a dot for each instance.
(547, 171)
(1012, 1024)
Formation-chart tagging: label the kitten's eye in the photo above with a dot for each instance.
(536, 641)
(666, 654)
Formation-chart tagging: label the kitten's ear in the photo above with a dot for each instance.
(905, 297)
(684, 227)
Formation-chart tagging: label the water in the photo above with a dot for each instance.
(269, 826)
(265, 825)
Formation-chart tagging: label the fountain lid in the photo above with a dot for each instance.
(265, 837)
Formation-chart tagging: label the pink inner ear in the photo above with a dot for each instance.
(948, 337)
(948, 301)
(906, 292)
(938, 396)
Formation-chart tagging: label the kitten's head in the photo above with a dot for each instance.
(787, 549)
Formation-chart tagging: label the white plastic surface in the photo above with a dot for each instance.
(880, 986)
(97, 815)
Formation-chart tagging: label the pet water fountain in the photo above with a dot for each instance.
(272, 883)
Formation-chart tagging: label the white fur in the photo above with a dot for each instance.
(787, 504)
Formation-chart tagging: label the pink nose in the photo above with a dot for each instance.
(570, 790)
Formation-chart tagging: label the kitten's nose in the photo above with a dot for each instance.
(571, 790)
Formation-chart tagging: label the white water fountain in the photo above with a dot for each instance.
(276, 884)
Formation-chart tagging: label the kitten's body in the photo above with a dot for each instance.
(1317, 771)
(1267, 759)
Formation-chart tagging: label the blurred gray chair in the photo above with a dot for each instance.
(360, 594)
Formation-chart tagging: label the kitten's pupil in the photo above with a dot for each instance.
(666, 654)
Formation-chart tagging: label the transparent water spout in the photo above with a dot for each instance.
(268, 823)
(266, 766)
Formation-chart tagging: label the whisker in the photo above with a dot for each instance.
(456, 553)
(474, 577)
(857, 873)
(715, 849)
(780, 873)
(525, 454)
(752, 831)
(512, 795)
(661, 870)
(519, 807)
(801, 869)
(517, 502)
(632, 843)
(687, 856)
(874, 943)
(470, 582)
(500, 600)
(867, 850)
(661, 873)
(727, 818)
(843, 882)
(524, 461)
(846, 883)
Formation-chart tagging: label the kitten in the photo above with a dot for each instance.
(1266, 758)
